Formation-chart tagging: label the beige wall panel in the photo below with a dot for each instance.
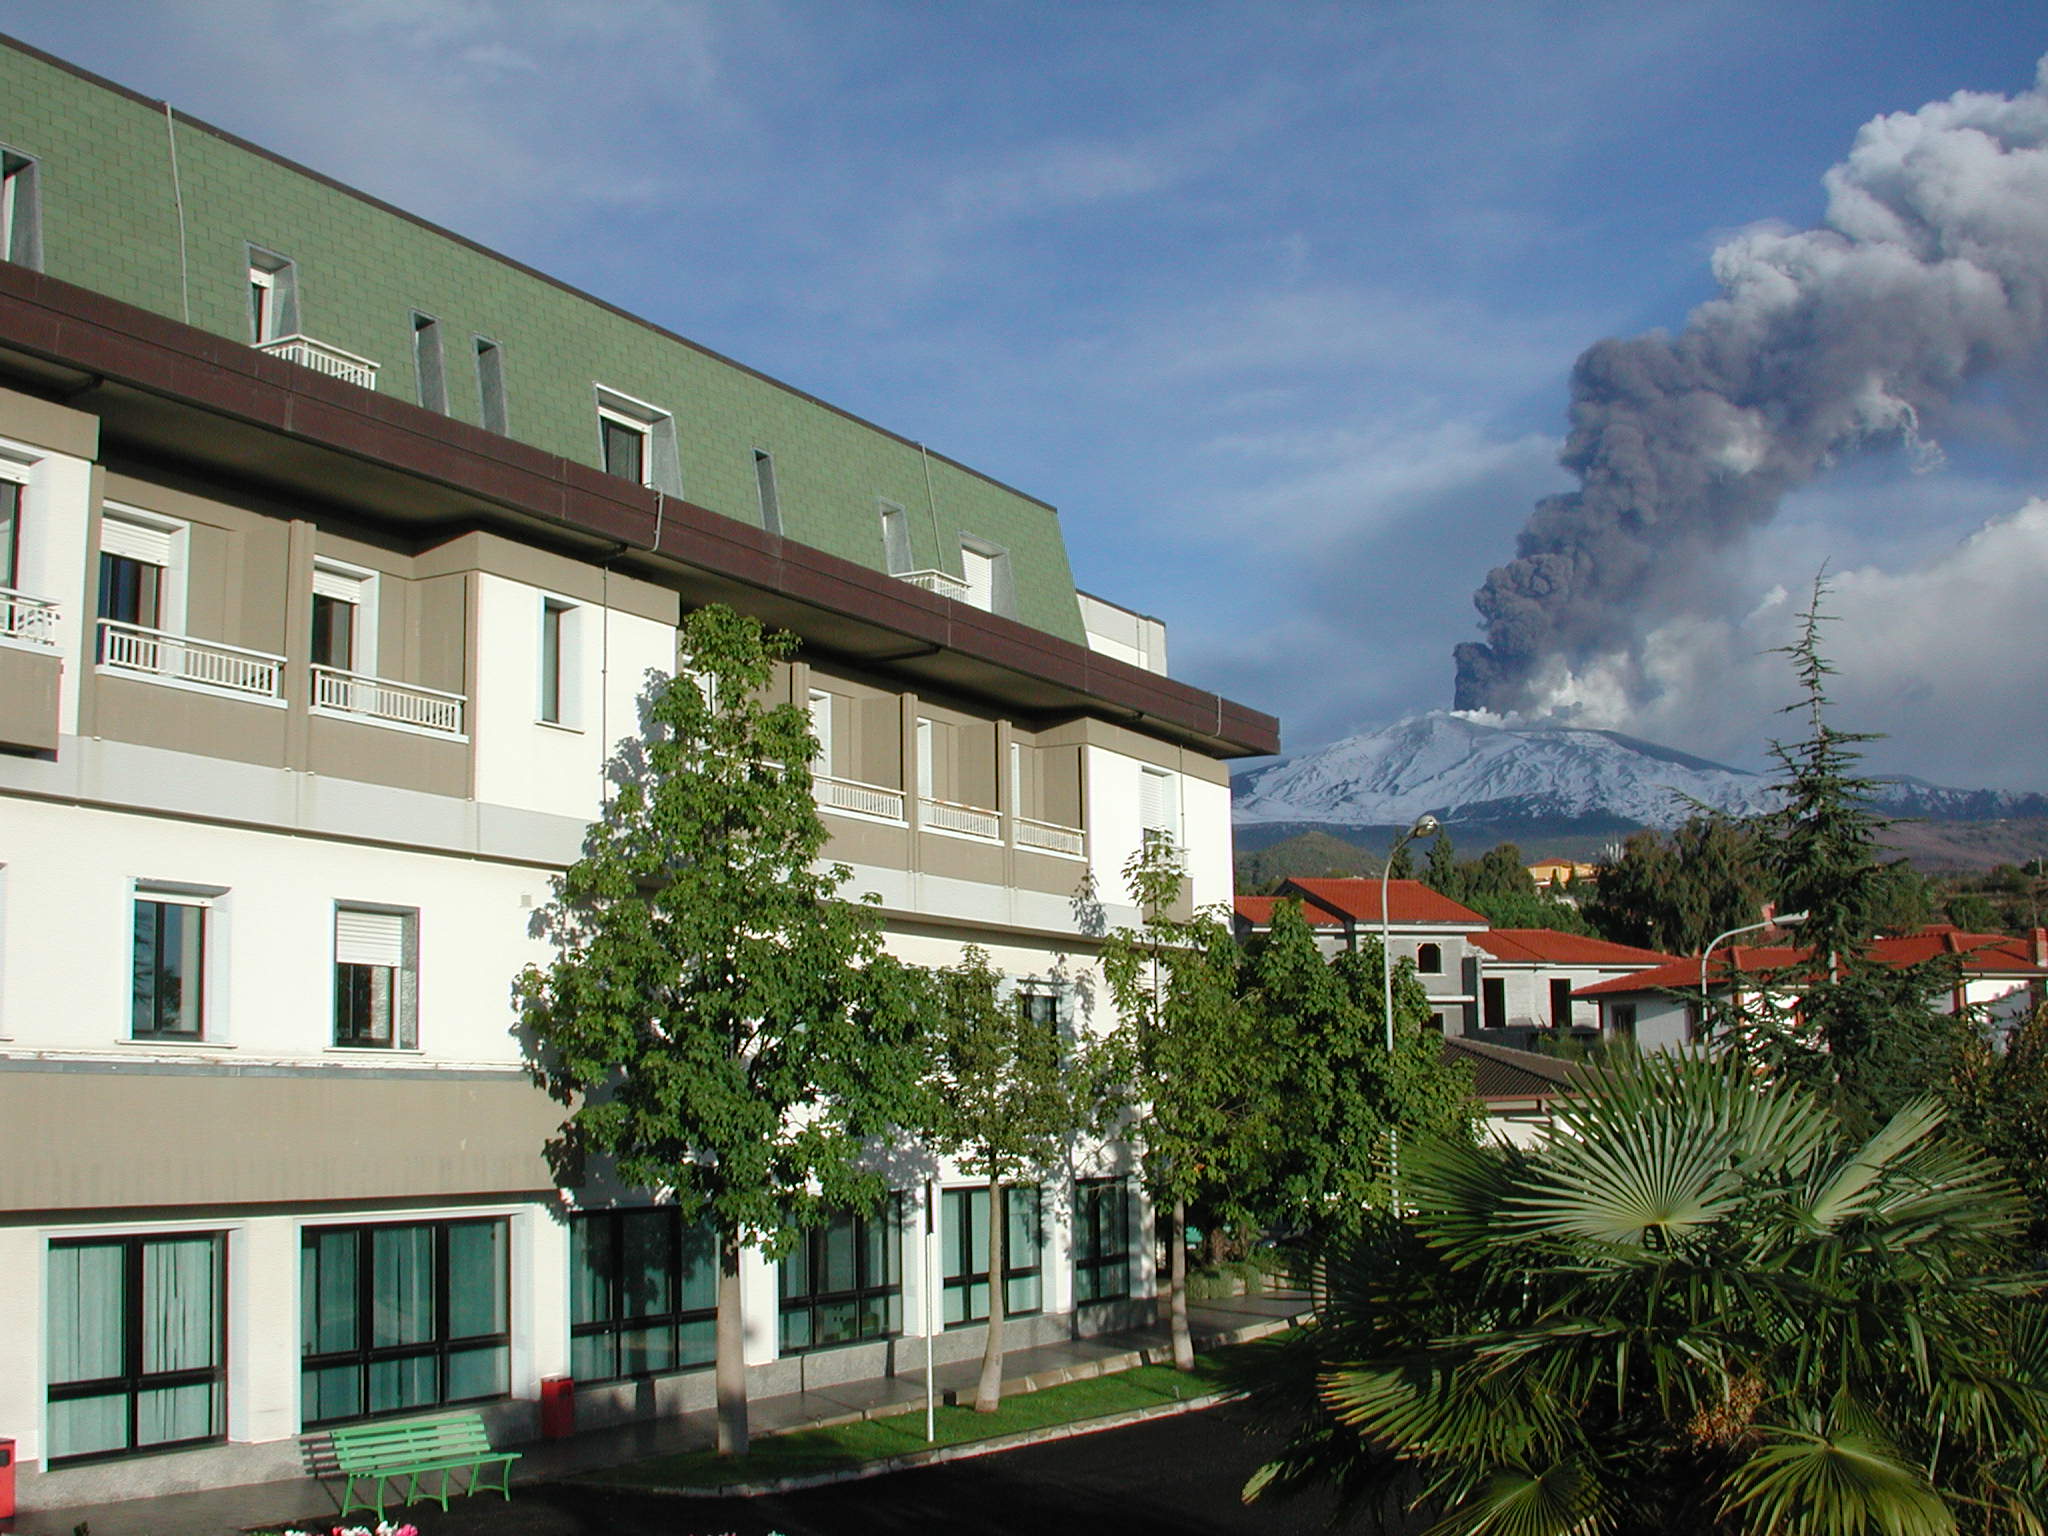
(960, 858)
(441, 634)
(84, 1140)
(866, 842)
(57, 428)
(28, 700)
(185, 721)
(345, 749)
(551, 572)
(1042, 872)
(1139, 748)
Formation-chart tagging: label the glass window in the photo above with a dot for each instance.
(643, 1294)
(844, 1282)
(376, 978)
(137, 1344)
(334, 633)
(963, 1239)
(273, 297)
(625, 447)
(400, 1317)
(131, 591)
(21, 232)
(1429, 959)
(168, 991)
(10, 534)
(1102, 1240)
(557, 662)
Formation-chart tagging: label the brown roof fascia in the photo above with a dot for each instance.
(88, 332)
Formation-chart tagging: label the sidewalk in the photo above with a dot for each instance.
(311, 1505)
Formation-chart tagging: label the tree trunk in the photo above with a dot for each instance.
(1177, 1288)
(988, 1392)
(730, 1370)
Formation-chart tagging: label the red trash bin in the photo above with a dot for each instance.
(557, 1408)
(6, 1479)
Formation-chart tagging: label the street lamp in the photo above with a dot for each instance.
(1788, 920)
(1425, 826)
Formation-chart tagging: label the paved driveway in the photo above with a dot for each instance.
(1170, 1477)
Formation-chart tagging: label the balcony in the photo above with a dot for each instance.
(857, 799)
(965, 820)
(942, 582)
(27, 620)
(156, 656)
(1049, 837)
(380, 701)
(322, 358)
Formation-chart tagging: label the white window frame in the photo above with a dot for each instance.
(821, 710)
(21, 223)
(769, 492)
(355, 585)
(175, 546)
(996, 592)
(560, 624)
(660, 464)
(405, 981)
(1159, 805)
(277, 313)
(897, 559)
(210, 901)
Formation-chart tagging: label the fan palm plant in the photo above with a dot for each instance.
(1702, 1306)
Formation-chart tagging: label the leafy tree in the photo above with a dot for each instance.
(1188, 1058)
(1707, 1306)
(1007, 1096)
(723, 1026)
(1444, 876)
(1500, 871)
(1534, 910)
(1346, 1103)
(1402, 865)
(2003, 1102)
(1973, 912)
(1675, 893)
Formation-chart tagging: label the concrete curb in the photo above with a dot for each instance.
(909, 1459)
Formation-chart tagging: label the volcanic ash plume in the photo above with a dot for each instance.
(1930, 269)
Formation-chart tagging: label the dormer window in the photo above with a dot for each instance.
(273, 297)
(21, 224)
(637, 442)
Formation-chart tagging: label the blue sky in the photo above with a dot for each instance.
(1278, 303)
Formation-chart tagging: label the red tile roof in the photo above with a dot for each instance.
(1977, 954)
(1408, 901)
(1546, 946)
(1684, 974)
(1258, 911)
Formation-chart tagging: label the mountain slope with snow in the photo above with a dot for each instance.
(1463, 770)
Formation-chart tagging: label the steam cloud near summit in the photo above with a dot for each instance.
(1930, 270)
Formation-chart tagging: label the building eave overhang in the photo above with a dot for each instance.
(171, 392)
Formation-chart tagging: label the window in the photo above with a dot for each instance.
(344, 622)
(1621, 1021)
(1560, 1004)
(428, 369)
(1429, 959)
(1039, 1005)
(821, 727)
(21, 211)
(393, 1318)
(490, 385)
(986, 567)
(963, 1240)
(637, 442)
(895, 539)
(764, 482)
(1158, 807)
(1102, 1240)
(168, 981)
(135, 562)
(273, 297)
(10, 534)
(557, 661)
(643, 1294)
(137, 1343)
(844, 1282)
(1493, 1003)
(376, 978)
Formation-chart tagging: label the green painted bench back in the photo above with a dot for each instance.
(361, 1447)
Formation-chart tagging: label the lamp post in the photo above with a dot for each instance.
(1425, 826)
(1789, 920)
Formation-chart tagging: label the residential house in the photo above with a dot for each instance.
(1529, 978)
(1517, 1087)
(1430, 931)
(339, 554)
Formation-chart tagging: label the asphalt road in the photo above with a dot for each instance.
(1169, 1477)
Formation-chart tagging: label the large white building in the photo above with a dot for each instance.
(335, 555)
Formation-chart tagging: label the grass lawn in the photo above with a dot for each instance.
(848, 1445)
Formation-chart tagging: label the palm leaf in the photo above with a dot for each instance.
(1841, 1480)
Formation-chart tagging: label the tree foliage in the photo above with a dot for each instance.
(1708, 1307)
(723, 1026)
(1006, 1097)
(1674, 892)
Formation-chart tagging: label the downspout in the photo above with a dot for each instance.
(931, 504)
(178, 204)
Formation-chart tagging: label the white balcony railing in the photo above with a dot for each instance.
(25, 618)
(968, 820)
(384, 702)
(942, 582)
(322, 358)
(208, 664)
(1048, 835)
(861, 799)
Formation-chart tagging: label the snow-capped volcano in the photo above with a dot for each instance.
(1462, 769)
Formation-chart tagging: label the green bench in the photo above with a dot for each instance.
(382, 1452)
